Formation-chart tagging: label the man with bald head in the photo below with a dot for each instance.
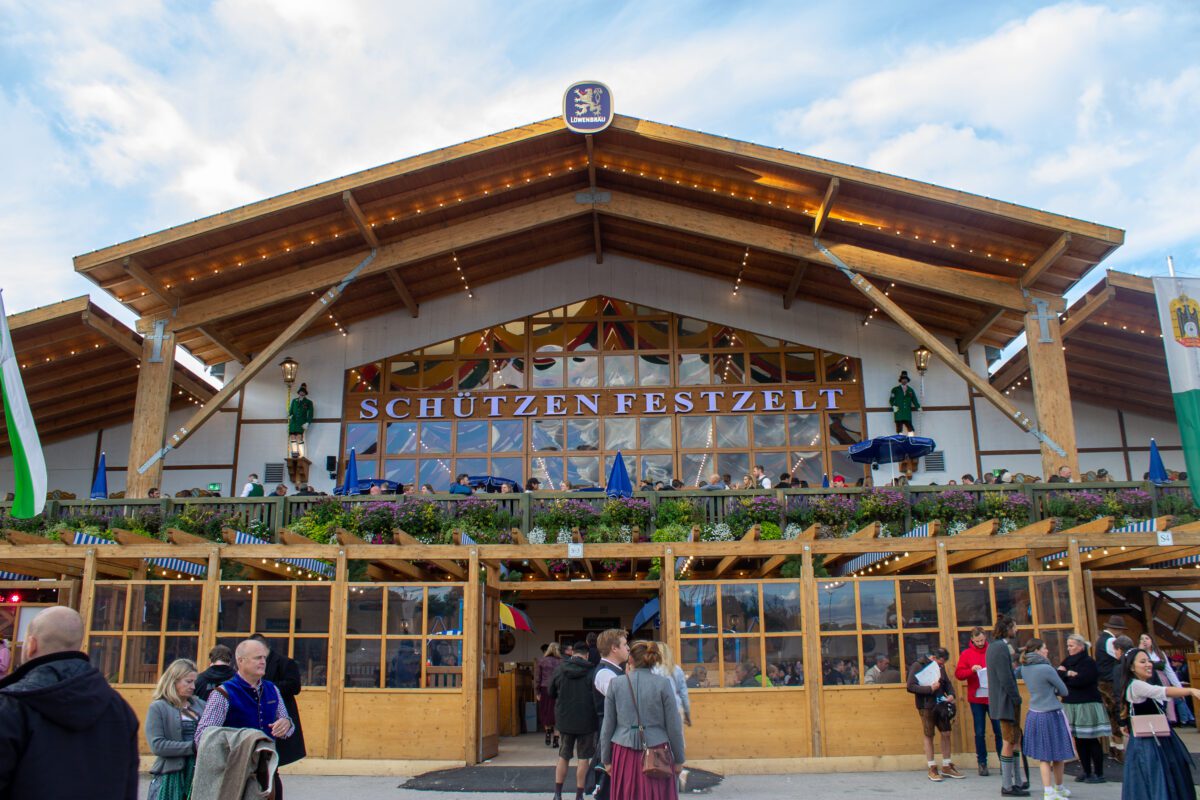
(248, 700)
(58, 711)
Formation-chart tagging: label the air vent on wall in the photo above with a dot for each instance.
(273, 473)
(936, 461)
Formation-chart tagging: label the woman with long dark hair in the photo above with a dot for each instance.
(541, 690)
(1156, 767)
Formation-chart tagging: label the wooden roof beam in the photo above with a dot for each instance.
(152, 284)
(1091, 306)
(1045, 260)
(794, 285)
(224, 344)
(368, 234)
(826, 206)
(972, 336)
(591, 166)
(122, 338)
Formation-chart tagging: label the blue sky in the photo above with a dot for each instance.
(128, 116)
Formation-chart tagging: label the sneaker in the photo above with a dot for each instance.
(1062, 791)
(1083, 778)
(934, 775)
(683, 779)
(1097, 779)
(983, 771)
(951, 771)
(1015, 791)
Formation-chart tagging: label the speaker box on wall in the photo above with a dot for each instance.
(331, 463)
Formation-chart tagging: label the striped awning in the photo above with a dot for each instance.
(1141, 526)
(858, 563)
(12, 576)
(176, 565)
(315, 565)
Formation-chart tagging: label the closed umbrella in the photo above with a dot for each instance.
(1158, 471)
(100, 482)
(619, 484)
(350, 486)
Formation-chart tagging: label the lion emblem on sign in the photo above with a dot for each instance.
(587, 101)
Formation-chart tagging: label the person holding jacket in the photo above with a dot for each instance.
(640, 712)
(571, 692)
(1084, 705)
(927, 697)
(1004, 704)
(170, 728)
(971, 662)
(1047, 735)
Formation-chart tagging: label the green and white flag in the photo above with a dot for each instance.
(1179, 317)
(29, 466)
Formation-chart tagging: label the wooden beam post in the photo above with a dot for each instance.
(822, 215)
(224, 343)
(812, 652)
(210, 602)
(794, 285)
(1045, 260)
(972, 336)
(151, 405)
(87, 597)
(1079, 607)
(336, 675)
(1051, 394)
(472, 640)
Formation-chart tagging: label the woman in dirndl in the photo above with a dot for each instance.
(1085, 708)
(1156, 767)
(170, 731)
(1047, 735)
(541, 689)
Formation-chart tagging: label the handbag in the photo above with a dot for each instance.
(657, 761)
(1146, 725)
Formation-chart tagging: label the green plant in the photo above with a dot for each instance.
(677, 511)
(769, 531)
(626, 511)
(752, 511)
(792, 568)
(323, 518)
(562, 514)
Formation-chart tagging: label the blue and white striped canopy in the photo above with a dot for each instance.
(1141, 526)
(176, 565)
(310, 564)
(12, 576)
(858, 563)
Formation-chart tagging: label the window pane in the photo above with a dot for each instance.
(234, 615)
(839, 660)
(769, 430)
(804, 430)
(654, 370)
(619, 434)
(474, 374)
(274, 610)
(658, 468)
(401, 437)
(731, 431)
(781, 607)
(547, 373)
(838, 368)
(807, 466)
(313, 657)
(445, 610)
(695, 433)
(549, 471)
(141, 660)
(840, 463)
(508, 436)
(1057, 642)
(438, 375)
(547, 435)
(364, 614)
(445, 664)
(435, 437)
(773, 464)
(405, 376)
(362, 437)
(435, 472)
(472, 436)
(401, 470)
(508, 373)
(583, 434)
(845, 428)
(618, 371)
(918, 603)
(146, 607)
(729, 368)
(405, 610)
(509, 339)
(630, 464)
(105, 654)
(1012, 598)
(881, 658)
(583, 372)
(108, 609)
(583, 472)
(836, 605)
(471, 466)
(735, 465)
(878, 602)
(698, 658)
(654, 334)
(693, 369)
(785, 660)
(511, 468)
(1054, 600)
(656, 433)
(800, 367)
(692, 333)
(739, 607)
(581, 337)
(743, 661)
(362, 663)
(441, 348)
(546, 337)
(312, 609)
(183, 610)
(697, 608)
(971, 603)
(695, 468)
(177, 647)
(764, 367)
(917, 645)
(365, 378)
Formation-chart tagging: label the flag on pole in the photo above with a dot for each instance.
(1179, 317)
(29, 466)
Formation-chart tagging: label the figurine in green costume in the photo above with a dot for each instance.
(904, 402)
(300, 414)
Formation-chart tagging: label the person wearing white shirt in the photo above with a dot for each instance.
(252, 488)
(760, 477)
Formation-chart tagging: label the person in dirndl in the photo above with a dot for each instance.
(640, 712)
(170, 728)
(1047, 734)
(546, 668)
(1085, 709)
(1156, 767)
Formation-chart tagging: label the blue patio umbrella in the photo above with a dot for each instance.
(350, 485)
(647, 613)
(890, 449)
(618, 479)
(1158, 471)
(825, 481)
(100, 482)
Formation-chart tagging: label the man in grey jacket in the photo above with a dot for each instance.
(1004, 704)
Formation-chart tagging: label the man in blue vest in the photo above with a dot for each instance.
(247, 700)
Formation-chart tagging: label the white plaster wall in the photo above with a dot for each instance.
(1139, 429)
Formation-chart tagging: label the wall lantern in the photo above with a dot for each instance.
(921, 359)
(290, 369)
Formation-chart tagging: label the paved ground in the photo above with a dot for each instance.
(741, 787)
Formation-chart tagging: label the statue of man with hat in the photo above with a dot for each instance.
(904, 402)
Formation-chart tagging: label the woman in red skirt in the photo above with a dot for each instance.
(640, 712)
(541, 690)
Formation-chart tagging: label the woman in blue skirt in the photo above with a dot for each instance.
(1047, 735)
(1156, 767)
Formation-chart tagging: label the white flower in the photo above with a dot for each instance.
(792, 531)
(564, 536)
(955, 528)
(718, 533)
(1007, 526)
(626, 533)
(536, 536)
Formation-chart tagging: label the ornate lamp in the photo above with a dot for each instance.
(921, 359)
(290, 369)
